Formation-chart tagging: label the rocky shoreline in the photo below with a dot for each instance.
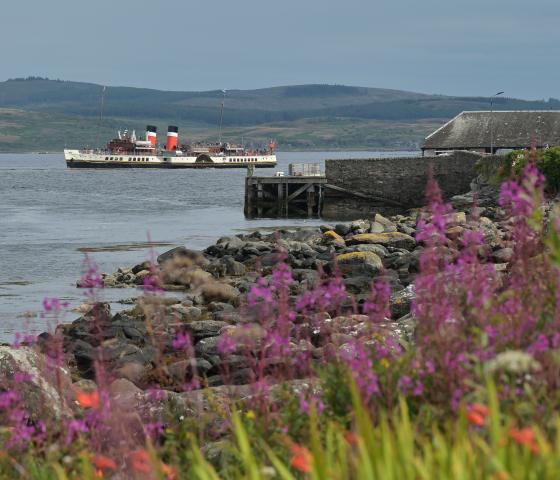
(206, 301)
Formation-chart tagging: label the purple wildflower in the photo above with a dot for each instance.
(181, 341)
(156, 394)
(305, 403)
(260, 293)
(226, 345)
(540, 345)
(91, 278)
(361, 368)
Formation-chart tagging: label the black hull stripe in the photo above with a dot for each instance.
(84, 164)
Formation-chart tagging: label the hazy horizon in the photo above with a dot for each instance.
(433, 47)
(38, 76)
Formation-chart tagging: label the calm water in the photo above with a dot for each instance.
(49, 215)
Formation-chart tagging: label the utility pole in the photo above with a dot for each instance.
(492, 121)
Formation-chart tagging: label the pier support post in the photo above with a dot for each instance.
(280, 198)
(310, 200)
(259, 198)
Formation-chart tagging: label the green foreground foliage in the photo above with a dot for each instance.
(389, 448)
(547, 160)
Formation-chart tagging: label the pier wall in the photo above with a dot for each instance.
(401, 179)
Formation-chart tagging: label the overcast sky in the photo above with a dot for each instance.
(455, 47)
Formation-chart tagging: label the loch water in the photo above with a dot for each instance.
(51, 217)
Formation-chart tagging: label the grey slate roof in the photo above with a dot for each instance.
(512, 129)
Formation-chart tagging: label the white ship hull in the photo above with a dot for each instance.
(97, 159)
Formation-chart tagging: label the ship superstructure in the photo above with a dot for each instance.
(126, 151)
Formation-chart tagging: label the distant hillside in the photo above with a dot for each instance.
(304, 116)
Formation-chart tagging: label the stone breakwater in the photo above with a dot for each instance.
(206, 302)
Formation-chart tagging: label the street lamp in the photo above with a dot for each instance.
(492, 121)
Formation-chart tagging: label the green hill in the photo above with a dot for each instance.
(42, 114)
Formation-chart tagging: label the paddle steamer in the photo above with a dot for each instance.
(126, 151)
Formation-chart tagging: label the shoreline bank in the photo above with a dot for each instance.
(208, 293)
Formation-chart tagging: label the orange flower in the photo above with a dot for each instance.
(301, 458)
(480, 409)
(476, 414)
(524, 436)
(102, 462)
(351, 438)
(475, 419)
(140, 461)
(169, 472)
(500, 476)
(87, 399)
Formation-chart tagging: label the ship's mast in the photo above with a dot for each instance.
(221, 117)
(101, 114)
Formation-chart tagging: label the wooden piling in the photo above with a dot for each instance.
(298, 195)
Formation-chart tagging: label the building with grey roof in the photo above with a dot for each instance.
(487, 132)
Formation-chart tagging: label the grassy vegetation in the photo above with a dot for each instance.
(547, 160)
(299, 117)
(32, 131)
(390, 448)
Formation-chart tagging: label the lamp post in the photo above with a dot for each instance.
(492, 121)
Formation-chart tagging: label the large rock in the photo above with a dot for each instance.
(133, 406)
(360, 226)
(379, 250)
(502, 255)
(388, 226)
(183, 369)
(205, 328)
(183, 272)
(376, 227)
(231, 244)
(185, 313)
(358, 284)
(456, 218)
(356, 263)
(133, 371)
(330, 237)
(207, 346)
(342, 229)
(219, 292)
(388, 239)
(269, 259)
(233, 268)
(196, 257)
(43, 390)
